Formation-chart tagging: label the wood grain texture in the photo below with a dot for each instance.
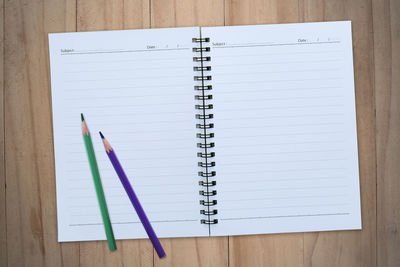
(111, 15)
(184, 13)
(261, 12)
(284, 250)
(59, 16)
(3, 220)
(31, 204)
(170, 13)
(28, 226)
(387, 88)
(352, 248)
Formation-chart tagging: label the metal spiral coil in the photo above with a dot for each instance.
(205, 145)
(200, 40)
(202, 87)
(204, 155)
(207, 184)
(205, 125)
(202, 78)
(213, 221)
(208, 164)
(201, 59)
(209, 193)
(204, 117)
(206, 68)
(209, 106)
(208, 135)
(213, 212)
(201, 49)
(207, 174)
(208, 203)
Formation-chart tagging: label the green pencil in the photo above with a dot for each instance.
(97, 184)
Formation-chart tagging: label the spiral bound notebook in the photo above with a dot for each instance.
(221, 130)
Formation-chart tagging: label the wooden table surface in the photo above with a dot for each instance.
(28, 223)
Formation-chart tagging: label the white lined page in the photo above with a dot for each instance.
(137, 88)
(285, 128)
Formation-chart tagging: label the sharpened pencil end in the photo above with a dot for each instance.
(102, 136)
(82, 118)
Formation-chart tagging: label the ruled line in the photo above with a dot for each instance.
(124, 195)
(279, 179)
(277, 62)
(128, 87)
(285, 188)
(274, 198)
(283, 134)
(277, 53)
(147, 59)
(284, 216)
(281, 161)
(282, 170)
(285, 152)
(281, 107)
(121, 51)
(128, 213)
(288, 206)
(277, 44)
(286, 143)
(125, 69)
(281, 98)
(125, 79)
(184, 104)
(270, 72)
(278, 81)
(263, 90)
(294, 124)
(94, 97)
(134, 222)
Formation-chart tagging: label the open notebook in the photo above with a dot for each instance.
(221, 130)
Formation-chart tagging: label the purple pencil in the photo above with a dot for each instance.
(132, 196)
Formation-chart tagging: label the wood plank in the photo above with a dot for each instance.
(190, 251)
(112, 15)
(386, 18)
(261, 12)
(31, 205)
(181, 13)
(109, 15)
(70, 254)
(264, 250)
(128, 253)
(194, 252)
(3, 220)
(60, 17)
(352, 248)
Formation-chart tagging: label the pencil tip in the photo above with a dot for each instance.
(102, 136)
(82, 118)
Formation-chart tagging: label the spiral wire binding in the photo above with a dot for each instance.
(204, 126)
